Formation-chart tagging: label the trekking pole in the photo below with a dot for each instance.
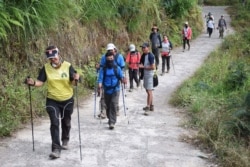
(95, 94)
(80, 145)
(123, 98)
(31, 118)
(172, 63)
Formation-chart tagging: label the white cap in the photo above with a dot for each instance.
(131, 47)
(110, 46)
(186, 23)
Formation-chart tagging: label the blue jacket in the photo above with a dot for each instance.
(111, 79)
(118, 60)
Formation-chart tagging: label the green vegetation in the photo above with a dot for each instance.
(81, 29)
(217, 97)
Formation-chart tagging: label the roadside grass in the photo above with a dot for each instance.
(217, 98)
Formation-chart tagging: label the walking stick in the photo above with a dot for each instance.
(123, 98)
(95, 93)
(172, 63)
(31, 119)
(80, 145)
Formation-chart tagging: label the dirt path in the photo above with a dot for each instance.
(147, 141)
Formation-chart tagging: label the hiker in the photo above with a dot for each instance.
(147, 64)
(119, 61)
(109, 79)
(208, 16)
(210, 26)
(165, 53)
(222, 25)
(155, 39)
(60, 77)
(187, 35)
(133, 59)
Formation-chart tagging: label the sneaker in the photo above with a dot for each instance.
(146, 108)
(151, 108)
(101, 115)
(111, 126)
(146, 112)
(130, 90)
(162, 73)
(65, 145)
(55, 154)
(117, 113)
(167, 71)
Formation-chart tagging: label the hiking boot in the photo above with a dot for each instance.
(111, 126)
(65, 145)
(151, 108)
(55, 154)
(102, 115)
(146, 108)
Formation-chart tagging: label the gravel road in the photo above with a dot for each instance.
(137, 140)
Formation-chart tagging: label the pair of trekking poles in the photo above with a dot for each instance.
(78, 115)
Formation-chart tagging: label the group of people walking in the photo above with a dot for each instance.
(222, 25)
(60, 77)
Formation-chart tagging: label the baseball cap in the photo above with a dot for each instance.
(131, 47)
(52, 53)
(144, 45)
(110, 46)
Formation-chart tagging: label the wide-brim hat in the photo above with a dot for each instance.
(154, 27)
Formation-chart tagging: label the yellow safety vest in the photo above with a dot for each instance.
(58, 82)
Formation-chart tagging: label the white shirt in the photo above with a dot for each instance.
(210, 24)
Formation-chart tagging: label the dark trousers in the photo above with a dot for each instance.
(210, 31)
(111, 101)
(133, 76)
(165, 61)
(156, 53)
(186, 41)
(59, 111)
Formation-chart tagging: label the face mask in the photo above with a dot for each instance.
(109, 63)
(54, 65)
